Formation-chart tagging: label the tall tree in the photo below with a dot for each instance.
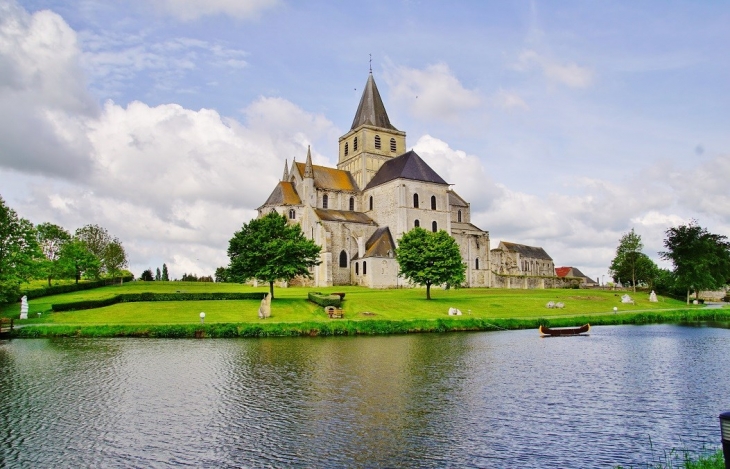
(51, 238)
(158, 275)
(628, 253)
(19, 252)
(115, 258)
(701, 259)
(165, 274)
(269, 249)
(147, 276)
(76, 259)
(221, 275)
(427, 258)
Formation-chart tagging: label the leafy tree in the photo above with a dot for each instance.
(50, 239)
(165, 275)
(76, 259)
(628, 252)
(189, 277)
(701, 259)
(221, 275)
(269, 249)
(96, 238)
(158, 275)
(19, 252)
(115, 258)
(427, 258)
(147, 276)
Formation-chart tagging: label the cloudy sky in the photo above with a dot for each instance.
(565, 124)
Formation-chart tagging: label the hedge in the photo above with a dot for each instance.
(138, 297)
(324, 300)
(58, 289)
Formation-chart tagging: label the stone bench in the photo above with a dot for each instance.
(334, 313)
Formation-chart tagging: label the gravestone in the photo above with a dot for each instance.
(265, 308)
(24, 307)
(454, 312)
(626, 299)
(652, 297)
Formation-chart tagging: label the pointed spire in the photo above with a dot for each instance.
(286, 170)
(308, 171)
(371, 110)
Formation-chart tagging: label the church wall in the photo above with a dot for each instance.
(379, 273)
(472, 248)
(527, 282)
(343, 237)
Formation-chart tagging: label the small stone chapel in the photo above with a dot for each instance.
(358, 211)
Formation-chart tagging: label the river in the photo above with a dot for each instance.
(621, 395)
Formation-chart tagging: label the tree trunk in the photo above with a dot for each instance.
(428, 291)
(688, 296)
(271, 289)
(633, 278)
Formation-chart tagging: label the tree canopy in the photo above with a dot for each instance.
(75, 260)
(270, 249)
(51, 239)
(19, 252)
(701, 259)
(632, 265)
(427, 258)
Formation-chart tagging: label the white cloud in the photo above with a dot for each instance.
(569, 74)
(432, 93)
(192, 9)
(509, 101)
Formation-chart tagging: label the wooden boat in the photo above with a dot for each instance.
(565, 330)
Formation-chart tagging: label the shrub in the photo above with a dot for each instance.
(59, 289)
(148, 296)
(324, 300)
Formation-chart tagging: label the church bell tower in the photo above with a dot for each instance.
(372, 140)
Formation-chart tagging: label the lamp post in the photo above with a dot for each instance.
(202, 317)
(725, 432)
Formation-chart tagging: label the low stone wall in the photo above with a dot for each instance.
(527, 282)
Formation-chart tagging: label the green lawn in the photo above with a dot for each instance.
(290, 305)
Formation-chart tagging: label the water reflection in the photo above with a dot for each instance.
(508, 399)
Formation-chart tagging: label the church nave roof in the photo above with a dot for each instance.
(329, 178)
(343, 216)
(284, 194)
(406, 166)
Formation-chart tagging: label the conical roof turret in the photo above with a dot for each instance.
(308, 171)
(286, 170)
(371, 110)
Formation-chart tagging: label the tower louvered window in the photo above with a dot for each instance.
(354, 144)
(392, 145)
(377, 142)
(347, 148)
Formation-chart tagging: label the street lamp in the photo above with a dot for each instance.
(202, 317)
(725, 432)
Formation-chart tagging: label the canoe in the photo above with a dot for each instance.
(565, 330)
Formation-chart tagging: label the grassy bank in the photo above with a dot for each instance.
(684, 460)
(366, 312)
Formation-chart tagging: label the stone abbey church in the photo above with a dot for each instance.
(378, 192)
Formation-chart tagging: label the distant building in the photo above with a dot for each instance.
(574, 272)
(519, 259)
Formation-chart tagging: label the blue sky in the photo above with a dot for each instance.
(565, 124)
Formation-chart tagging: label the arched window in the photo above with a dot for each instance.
(325, 200)
(354, 144)
(357, 268)
(392, 145)
(377, 142)
(417, 223)
(364, 268)
(458, 216)
(434, 227)
(343, 259)
(347, 148)
(415, 200)
(292, 214)
(273, 210)
(352, 203)
(476, 263)
(433, 202)
(371, 202)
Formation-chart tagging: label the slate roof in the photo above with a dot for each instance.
(284, 194)
(330, 178)
(371, 110)
(456, 200)
(380, 244)
(533, 252)
(343, 216)
(406, 166)
(455, 226)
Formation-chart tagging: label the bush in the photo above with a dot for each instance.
(140, 297)
(324, 300)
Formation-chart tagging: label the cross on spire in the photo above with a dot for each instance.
(371, 63)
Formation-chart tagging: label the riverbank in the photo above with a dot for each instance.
(366, 312)
(347, 327)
